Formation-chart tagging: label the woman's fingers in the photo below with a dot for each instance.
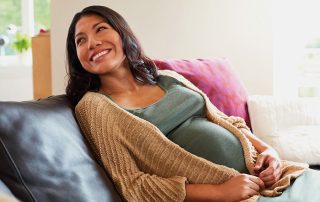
(258, 182)
(241, 187)
(271, 179)
(268, 167)
(267, 172)
(273, 165)
(260, 162)
(272, 173)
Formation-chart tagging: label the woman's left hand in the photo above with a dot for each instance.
(268, 167)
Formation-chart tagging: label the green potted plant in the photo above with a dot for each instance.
(22, 43)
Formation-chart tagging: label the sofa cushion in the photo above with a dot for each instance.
(217, 80)
(291, 126)
(44, 157)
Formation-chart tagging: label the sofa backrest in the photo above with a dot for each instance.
(217, 79)
(44, 157)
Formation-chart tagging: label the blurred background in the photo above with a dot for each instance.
(273, 45)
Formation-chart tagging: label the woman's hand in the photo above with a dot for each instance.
(238, 188)
(268, 167)
(241, 187)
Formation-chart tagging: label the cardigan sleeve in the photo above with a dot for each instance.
(119, 161)
(135, 185)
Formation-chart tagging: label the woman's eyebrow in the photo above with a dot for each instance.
(93, 26)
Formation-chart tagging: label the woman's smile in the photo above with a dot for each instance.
(97, 56)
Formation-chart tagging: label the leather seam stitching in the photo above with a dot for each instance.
(17, 172)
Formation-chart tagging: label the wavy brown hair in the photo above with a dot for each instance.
(80, 81)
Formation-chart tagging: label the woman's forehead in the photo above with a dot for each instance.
(87, 21)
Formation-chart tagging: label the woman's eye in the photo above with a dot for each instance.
(79, 41)
(101, 28)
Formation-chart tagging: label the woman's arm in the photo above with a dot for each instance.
(268, 165)
(238, 188)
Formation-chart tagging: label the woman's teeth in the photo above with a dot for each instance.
(100, 54)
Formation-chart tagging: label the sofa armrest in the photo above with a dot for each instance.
(270, 113)
(291, 126)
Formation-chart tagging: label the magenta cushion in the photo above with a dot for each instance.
(216, 78)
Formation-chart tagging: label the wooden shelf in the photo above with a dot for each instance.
(41, 58)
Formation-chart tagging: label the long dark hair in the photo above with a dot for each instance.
(80, 81)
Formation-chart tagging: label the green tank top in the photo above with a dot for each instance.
(180, 115)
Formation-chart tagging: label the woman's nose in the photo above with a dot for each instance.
(94, 42)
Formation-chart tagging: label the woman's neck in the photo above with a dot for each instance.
(119, 82)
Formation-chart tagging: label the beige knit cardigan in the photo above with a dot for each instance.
(145, 165)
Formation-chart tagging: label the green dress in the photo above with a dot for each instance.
(180, 115)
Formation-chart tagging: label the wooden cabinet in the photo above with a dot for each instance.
(41, 58)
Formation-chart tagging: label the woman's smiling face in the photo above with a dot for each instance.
(98, 45)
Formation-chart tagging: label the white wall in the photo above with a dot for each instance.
(238, 30)
(16, 82)
(16, 77)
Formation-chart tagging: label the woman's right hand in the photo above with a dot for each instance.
(241, 187)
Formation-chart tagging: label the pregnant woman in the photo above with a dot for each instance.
(157, 135)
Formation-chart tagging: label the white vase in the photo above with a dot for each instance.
(25, 58)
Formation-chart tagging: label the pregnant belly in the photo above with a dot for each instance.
(210, 141)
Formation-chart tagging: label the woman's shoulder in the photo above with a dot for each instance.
(90, 98)
(166, 81)
(90, 95)
(169, 73)
(173, 75)
(180, 78)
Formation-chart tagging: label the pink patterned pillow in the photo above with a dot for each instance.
(216, 78)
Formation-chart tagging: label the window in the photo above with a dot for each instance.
(41, 15)
(296, 48)
(10, 14)
(309, 70)
(24, 16)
